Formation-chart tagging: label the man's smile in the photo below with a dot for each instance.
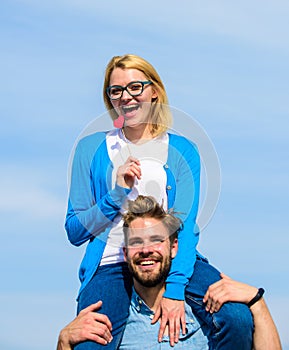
(148, 263)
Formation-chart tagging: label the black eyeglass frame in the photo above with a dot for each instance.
(122, 88)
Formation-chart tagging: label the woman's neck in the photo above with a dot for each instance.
(137, 134)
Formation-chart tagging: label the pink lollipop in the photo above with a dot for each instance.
(118, 123)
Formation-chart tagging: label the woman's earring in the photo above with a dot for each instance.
(118, 123)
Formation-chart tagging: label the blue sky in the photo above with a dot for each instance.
(224, 63)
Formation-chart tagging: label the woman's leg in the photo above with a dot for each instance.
(232, 326)
(111, 284)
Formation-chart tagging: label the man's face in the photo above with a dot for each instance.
(149, 251)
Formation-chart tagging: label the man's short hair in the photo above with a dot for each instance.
(148, 207)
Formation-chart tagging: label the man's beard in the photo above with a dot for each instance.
(148, 279)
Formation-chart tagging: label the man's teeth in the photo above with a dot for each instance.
(147, 262)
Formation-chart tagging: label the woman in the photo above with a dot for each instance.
(138, 157)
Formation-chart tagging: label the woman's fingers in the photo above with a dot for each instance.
(133, 170)
(128, 172)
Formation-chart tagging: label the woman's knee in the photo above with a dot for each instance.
(236, 316)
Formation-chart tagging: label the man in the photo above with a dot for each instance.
(150, 245)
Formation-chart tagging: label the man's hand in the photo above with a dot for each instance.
(88, 325)
(227, 290)
(172, 313)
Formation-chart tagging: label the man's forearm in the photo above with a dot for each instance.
(63, 343)
(266, 336)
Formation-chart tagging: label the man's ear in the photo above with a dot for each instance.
(174, 248)
(124, 253)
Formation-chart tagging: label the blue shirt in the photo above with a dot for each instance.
(141, 334)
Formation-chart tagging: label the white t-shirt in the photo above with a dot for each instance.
(153, 156)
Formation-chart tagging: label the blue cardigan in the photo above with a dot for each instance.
(93, 205)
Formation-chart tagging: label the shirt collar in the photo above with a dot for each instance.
(139, 305)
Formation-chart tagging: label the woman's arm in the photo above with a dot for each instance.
(184, 182)
(93, 204)
(184, 163)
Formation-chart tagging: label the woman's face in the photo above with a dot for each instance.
(134, 109)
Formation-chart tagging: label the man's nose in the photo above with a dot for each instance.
(146, 248)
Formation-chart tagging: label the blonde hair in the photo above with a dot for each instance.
(161, 118)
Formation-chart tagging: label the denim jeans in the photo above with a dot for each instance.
(232, 326)
(113, 285)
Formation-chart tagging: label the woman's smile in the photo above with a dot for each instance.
(129, 111)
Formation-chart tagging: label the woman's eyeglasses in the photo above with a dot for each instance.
(134, 88)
